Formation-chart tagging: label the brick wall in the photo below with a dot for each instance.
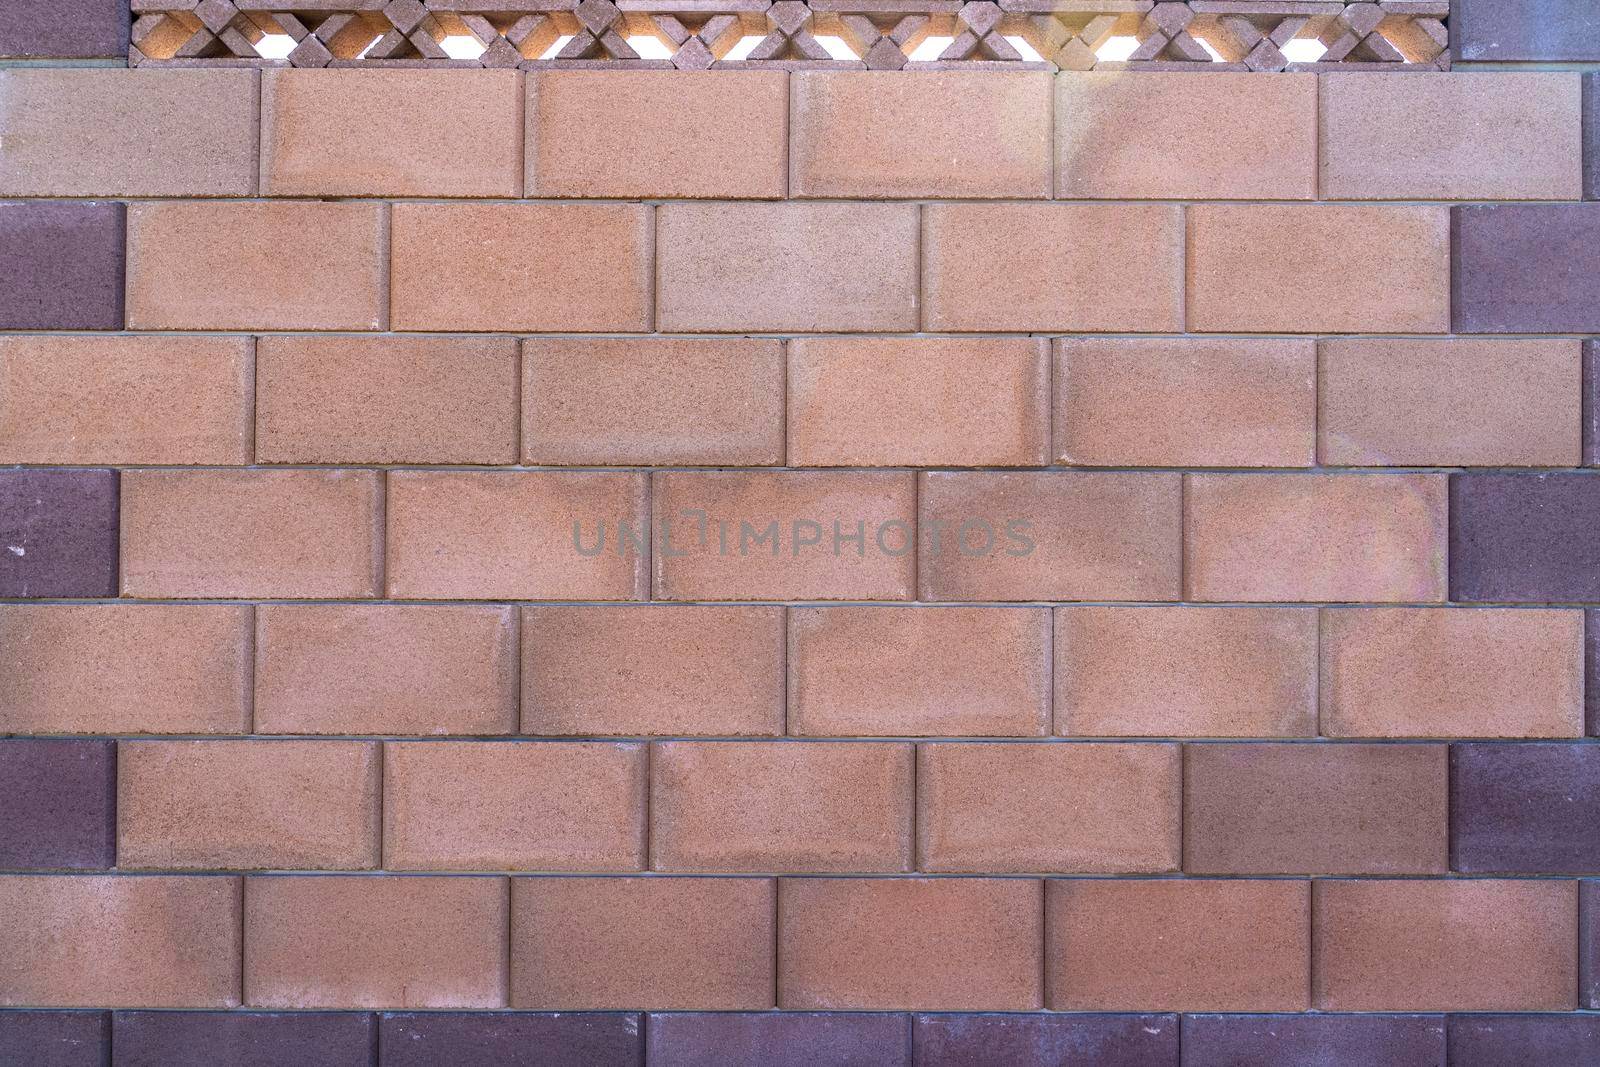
(795, 566)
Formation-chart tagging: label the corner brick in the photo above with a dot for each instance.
(1052, 267)
(1140, 945)
(1542, 31)
(1525, 809)
(1525, 538)
(1262, 1041)
(779, 1039)
(374, 941)
(58, 533)
(1185, 672)
(127, 133)
(1494, 1040)
(1162, 135)
(944, 944)
(57, 805)
(676, 944)
(119, 941)
(523, 1039)
(64, 29)
(1314, 809)
(55, 1038)
(970, 1040)
(1458, 945)
(1518, 268)
(1318, 268)
(61, 266)
(242, 1039)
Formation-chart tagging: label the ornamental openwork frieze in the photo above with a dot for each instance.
(1259, 35)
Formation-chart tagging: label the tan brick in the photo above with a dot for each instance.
(254, 533)
(576, 268)
(1177, 945)
(1425, 140)
(1339, 537)
(858, 671)
(652, 400)
(385, 669)
(793, 267)
(948, 133)
(127, 132)
(247, 805)
(1186, 672)
(934, 944)
(386, 399)
(125, 668)
(391, 133)
(293, 265)
(375, 942)
(655, 669)
(1081, 535)
(1048, 806)
(918, 401)
(1455, 672)
(1154, 135)
(513, 805)
(1319, 268)
(92, 400)
(790, 535)
(517, 535)
(657, 134)
(1185, 402)
(1387, 402)
(1469, 945)
(781, 806)
(665, 944)
(119, 941)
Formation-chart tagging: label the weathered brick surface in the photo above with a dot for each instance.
(245, 1039)
(1524, 538)
(1524, 809)
(1544, 30)
(520, 1039)
(1041, 1040)
(1517, 268)
(779, 1039)
(1264, 1040)
(56, 1038)
(59, 531)
(61, 265)
(64, 29)
(1484, 1040)
(59, 804)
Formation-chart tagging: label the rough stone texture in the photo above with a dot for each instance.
(57, 805)
(676, 944)
(1460, 945)
(664, 134)
(944, 944)
(1318, 268)
(125, 400)
(1130, 945)
(1536, 30)
(242, 1039)
(1456, 403)
(1523, 268)
(63, 29)
(1423, 138)
(1273, 1040)
(666, 401)
(1497, 1040)
(512, 1040)
(61, 266)
(791, 806)
(1525, 809)
(126, 133)
(55, 1038)
(1315, 809)
(947, 134)
(1155, 135)
(1185, 402)
(1052, 267)
(1524, 538)
(1185, 672)
(983, 1040)
(391, 133)
(653, 669)
(58, 529)
(789, 1039)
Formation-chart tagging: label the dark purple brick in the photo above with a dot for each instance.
(1525, 268)
(58, 805)
(984, 1040)
(1589, 945)
(54, 1038)
(241, 1039)
(1524, 1040)
(1516, 30)
(570, 1039)
(1591, 671)
(1591, 402)
(1313, 1040)
(63, 29)
(1591, 137)
(780, 1039)
(58, 533)
(61, 265)
(1525, 538)
(1525, 808)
